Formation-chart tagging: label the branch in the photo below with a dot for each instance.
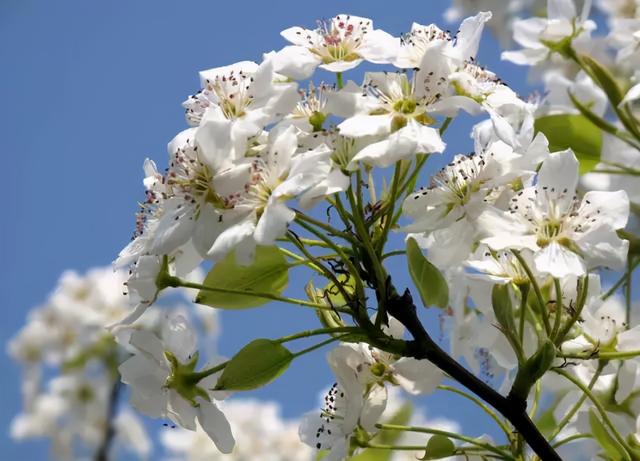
(423, 347)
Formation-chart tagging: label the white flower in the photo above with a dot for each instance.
(457, 192)
(533, 34)
(347, 406)
(245, 94)
(462, 48)
(566, 235)
(498, 266)
(395, 109)
(74, 408)
(258, 212)
(603, 327)
(149, 373)
(337, 45)
(259, 428)
(373, 365)
(558, 87)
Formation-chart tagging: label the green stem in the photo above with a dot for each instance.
(339, 80)
(627, 294)
(536, 289)
(571, 438)
(524, 295)
(559, 308)
(176, 282)
(481, 404)
(390, 209)
(603, 412)
(621, 355)
(452, 435)
(582, 299)
(300, 216)
(567, 417)
(199, 375)
(621, 280)
(394, 253)
(319, 345)
(316, 332)
(536, 399)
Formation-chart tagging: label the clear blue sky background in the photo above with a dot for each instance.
(88, 90)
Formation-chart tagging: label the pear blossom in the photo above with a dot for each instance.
(498, 266)
(536, 34)
(259, 428)
(347, 406)
(246, 95)
(149, 373)
(566, 235)
(258, 211)
(395, 109)
(376, 366)
(603, 327)
(337, 44)
(461, 48)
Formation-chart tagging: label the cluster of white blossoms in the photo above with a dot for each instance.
(509, 241)
(68, 360)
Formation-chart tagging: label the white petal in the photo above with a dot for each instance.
(217, 427)
(273, 222)
(557, 180)
(365, 125)
(379, 47)
(611, 208)
(374, 405)
(559, 261)
(295, 62)
(181, 412)
(179, 337)
(232, 237)
(632, 95)
(417, 376)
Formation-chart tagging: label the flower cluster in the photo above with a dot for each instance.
(511, 242)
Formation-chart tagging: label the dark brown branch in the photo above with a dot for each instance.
(423, 347)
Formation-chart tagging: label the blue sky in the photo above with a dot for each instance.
(89, 89)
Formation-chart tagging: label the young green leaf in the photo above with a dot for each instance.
(255, 365)
(502, 307)
(611, 447)
(430, 283)
(605, 80)
(439, 447)
(575, 132)
(269, 273)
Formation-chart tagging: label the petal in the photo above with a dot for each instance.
(374, 405)
(417, 376)
(365, 125)
(273, 222)
(632, 95)
(179, 337)
(604, 248)
(379, 47)
(559, 261)
(232, 237)
(181, 412)
(149, 344)
(610, 208)
(295, 62)
(217, 427)
(469, 34)
(557, 181)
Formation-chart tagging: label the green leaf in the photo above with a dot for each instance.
(439, 447)
(502, 307)
(430, 283)
(269, 273)
(576, 132)
(255, 365)
(605, 80)
(612, 449)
